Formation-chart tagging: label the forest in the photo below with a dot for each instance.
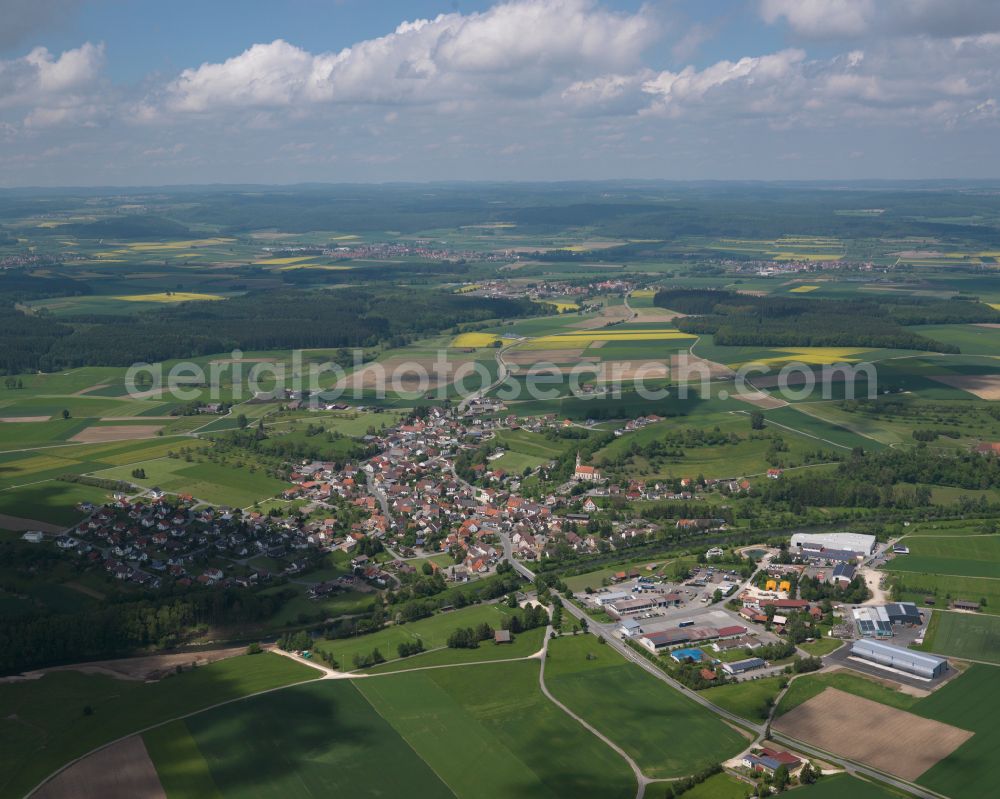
(744, 320)
(287, 319)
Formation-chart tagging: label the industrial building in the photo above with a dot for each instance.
(876, 621)
(843, 573)
(861, 545)
(743, 666)
(873, 622)
(895, 657)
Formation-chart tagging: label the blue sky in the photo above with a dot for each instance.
(131, 92)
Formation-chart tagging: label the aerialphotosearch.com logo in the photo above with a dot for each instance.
(314, 383)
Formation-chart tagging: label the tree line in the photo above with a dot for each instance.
(736, 319)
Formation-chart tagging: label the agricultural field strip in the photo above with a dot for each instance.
(640, 778)
(158, 724)
(330, 674)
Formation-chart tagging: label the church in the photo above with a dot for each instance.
(586, 472)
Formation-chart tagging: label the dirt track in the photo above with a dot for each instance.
(985, 387)
(148, 667)
(18, 525)
(121, 771)
(893, 741)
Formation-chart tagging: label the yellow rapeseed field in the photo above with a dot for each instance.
(475, 340)
(283, 261)
(562, 306)
(146, 246)
(803, 289)
(176, 296)
(815, 356)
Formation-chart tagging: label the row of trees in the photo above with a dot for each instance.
(286, 319)
(744, 320)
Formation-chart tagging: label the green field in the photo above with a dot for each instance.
(316, 740)
(433, 632)
(523, 645)
(489, 733)
(751, 699)
(970, 703)
(337, 604)
(748, 456)
(594, 579)
(212, 482)
(805, 687)
(719, 786)
(666, 733)
(844, 785)
(971, 556)
(964, 635)
(915, 586)
(43, 726)
(821, 646)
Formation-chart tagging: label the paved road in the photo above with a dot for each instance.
(502, 372)
(641, 779)
(606, 632)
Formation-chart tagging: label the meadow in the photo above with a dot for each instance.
(971, 556)
(621, 701)
(317, 740)
(970, 703)
(917, 586)
(751, 699)
(217, 483)
(43, 724)
(964, 635)
(840, 785)
(748, 456)
(524, 645)
(433, 632)
(469, 725)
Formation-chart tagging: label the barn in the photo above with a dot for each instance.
(882, 654)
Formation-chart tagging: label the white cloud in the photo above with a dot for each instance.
(520, 48)
(54, 90)
(820, 17)
(748, 77)
(930, 80)
(39, 75)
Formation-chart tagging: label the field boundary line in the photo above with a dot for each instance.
(641, 779)
(144, 730)
(402, 737)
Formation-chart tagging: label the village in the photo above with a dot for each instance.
(406, 503)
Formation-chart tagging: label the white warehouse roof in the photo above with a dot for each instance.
(852, 542)
(897, 653)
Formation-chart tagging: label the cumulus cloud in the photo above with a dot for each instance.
(53, 89)
(844, 18)
(516, 48)
(725, 80)
(931, 80)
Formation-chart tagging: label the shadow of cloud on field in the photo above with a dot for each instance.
(323, 735)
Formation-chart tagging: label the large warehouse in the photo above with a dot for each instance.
(895, 657)
(850, 542)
